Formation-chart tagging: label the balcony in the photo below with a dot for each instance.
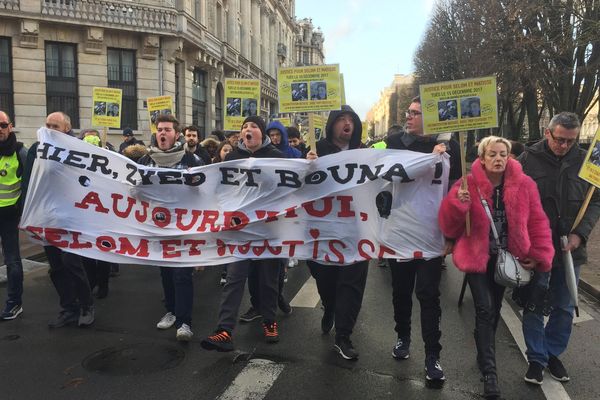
(13, 5)
(109, 13)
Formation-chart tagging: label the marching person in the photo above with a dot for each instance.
(254, 143)
(420, 275)
(128, 140)
(554, 165)
(192, 144)
(341, 287)
(522, 228)
(177, 283)
(13, 156)
(66, 269)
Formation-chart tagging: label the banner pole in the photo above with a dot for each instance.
(464, 185)
(584, 206)
(104, 136)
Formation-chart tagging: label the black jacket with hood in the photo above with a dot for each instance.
(267, 150)
(326, 146)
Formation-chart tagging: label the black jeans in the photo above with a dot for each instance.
(178, 287)
(9, 235)
(254, 286)
(69, 279)
(487, 296)
(341, 288)
(422, 276)
(97, 272)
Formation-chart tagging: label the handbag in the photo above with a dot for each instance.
(508, 271)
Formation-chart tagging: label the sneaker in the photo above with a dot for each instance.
(64, 318)
(12, 312)
(558, 370)
(292, 263)
(327, 321)
(184, 333)
(535, 373)
(250, 315)
(271, 333)
(220, 341)
(285, 277)
(223, 280)
(433, 369)
(344, 346)
(284, 306)
(87, 316)
(167, 321)
(401, 349)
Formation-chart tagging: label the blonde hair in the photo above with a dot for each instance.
(488, 141)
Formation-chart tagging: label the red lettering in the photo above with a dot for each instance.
(361, 251)
(53, 237)
(292, 244)
(383, 250)
(105, 243)
(244, 248)
(222, 247)
(345, 210)
(169, 249)
(76, 244)
(335, 251)
(127, 248)
(194, 249)
(180, 213)
(92, 198)
(234, 220)
(291, 212)
(209, 217)
(122, 214)
(141, 218)
(34, 230)
(309, 206)
(271, 215)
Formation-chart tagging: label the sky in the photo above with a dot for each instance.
(371, 40)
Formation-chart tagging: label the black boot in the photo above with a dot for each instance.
(491, 391)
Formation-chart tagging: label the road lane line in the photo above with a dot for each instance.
(553, 390)
(307, 296)
(254, 381)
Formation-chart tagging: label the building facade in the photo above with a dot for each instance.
(309, 44)
(388, 110)
(53, 52)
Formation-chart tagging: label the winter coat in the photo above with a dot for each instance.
(562, 193)
(326, 146)
(528, 228)
(267, 150)
(287, 150)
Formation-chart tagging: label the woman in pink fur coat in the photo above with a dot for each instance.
(522, 227)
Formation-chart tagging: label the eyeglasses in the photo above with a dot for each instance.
(4, 125)
(562, 141)
(412, 113)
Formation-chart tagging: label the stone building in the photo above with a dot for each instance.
(309, 44)
(53, 52)
(390, 107)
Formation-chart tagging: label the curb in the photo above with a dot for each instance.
(589, 289)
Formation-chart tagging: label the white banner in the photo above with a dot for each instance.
(342, 208)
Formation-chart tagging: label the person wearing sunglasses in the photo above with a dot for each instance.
(554, 164)
(12, 159)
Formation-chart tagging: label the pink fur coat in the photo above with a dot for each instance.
(529, 232)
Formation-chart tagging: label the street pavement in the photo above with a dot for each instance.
(124, 356)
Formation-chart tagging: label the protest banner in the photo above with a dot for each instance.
(156, 106)
(107, 107)
(349, 206)
(312, 88)
(590, 170)
(242, 99)
(459, 105)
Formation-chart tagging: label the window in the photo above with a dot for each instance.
(121, 74)
(219, 107)
(199, 101)
(6, 88)
(61, 80)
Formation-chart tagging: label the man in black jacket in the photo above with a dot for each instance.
(341, 287)
(192, 144)
(422, 276)
(554, 165)
(254, 143)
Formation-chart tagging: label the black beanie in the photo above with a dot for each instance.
(258, 121)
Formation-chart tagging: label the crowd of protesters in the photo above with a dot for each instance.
(533, 192)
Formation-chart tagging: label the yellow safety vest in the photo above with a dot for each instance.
(10, 183)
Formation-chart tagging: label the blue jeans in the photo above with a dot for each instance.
(552, 339)
(178, 286)
(9, 234)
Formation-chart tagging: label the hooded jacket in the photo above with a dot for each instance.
(326, 146)
(267, 150)
(287, 150)
(562, 193)
(528, 228)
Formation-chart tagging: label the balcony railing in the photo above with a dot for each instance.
(100, 12)
(10, 5)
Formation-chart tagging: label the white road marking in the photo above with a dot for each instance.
(307, 296)
(553, 390)
(254, 381)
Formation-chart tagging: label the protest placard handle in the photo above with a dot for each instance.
(464, 185)
(584, 206)
(104, 136)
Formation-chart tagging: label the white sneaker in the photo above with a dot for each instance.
(292, 262)
(184, 333)
(166, 321)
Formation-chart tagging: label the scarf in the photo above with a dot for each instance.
(167, 158)
(9, 146)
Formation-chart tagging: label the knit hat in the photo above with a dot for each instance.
(127, 132)
(258, 121)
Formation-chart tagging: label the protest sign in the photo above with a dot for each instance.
(156, 106)
(350, 206)
(590, 170)
(242, 99)
(342, 89)
(312, 88)
(285, 121)
(460, 105)
(107, 107)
